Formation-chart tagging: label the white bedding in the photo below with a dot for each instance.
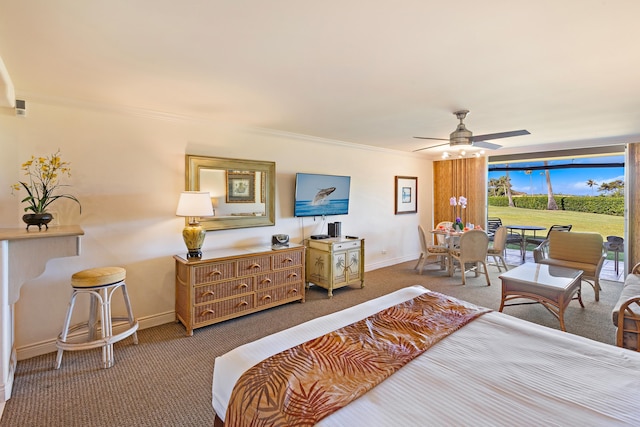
(497, 370)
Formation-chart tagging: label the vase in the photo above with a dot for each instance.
(38, 219)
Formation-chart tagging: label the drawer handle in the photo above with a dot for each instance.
(266, 297)
(243, 286)
(209, 311)
(287, 260)
(294, 290)
(215, 273)
(266, 280)
(293, 275)
(208, 293)
(255, 265)
(242, 304)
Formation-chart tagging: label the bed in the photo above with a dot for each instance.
(495, 370)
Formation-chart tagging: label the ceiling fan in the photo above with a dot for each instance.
(462, 137)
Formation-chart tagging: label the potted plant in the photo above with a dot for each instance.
(43, 186)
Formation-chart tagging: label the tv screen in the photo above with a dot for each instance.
(318, 195)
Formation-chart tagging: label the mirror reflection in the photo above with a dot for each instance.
(242, 191)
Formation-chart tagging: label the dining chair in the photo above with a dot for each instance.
(473, 249)
(439, 251)
(512, 238)
(497, 249)
(537, 241)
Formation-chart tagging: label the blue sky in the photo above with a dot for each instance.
(571, 181)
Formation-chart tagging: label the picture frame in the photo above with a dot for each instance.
(241, 186)
(406, 194)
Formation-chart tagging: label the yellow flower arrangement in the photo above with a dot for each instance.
(43, 182)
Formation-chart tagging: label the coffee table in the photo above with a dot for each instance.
(553, 287)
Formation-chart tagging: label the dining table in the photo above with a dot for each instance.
(523, 229)
(451, 239)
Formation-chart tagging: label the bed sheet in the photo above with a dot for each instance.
(497, 370)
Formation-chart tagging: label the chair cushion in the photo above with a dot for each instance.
(98, 277)
(630, 290)
(577, 247)
(435, 249)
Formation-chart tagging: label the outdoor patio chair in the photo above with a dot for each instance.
(537, 241)
(614, 244)
(512, 238)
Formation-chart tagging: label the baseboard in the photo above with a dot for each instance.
(390, 262)
(49, 346)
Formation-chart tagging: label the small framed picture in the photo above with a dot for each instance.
(241, 186)
(406, 194)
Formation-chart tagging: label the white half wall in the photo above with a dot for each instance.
(128, 170)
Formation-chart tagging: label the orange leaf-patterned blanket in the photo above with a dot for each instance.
(305, 383)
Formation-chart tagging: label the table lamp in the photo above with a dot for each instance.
(194, 204)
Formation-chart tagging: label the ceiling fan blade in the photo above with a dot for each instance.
(487, 145)
(426, 137)
(500, 135)
(432, 146)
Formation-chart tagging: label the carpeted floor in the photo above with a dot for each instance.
(166, 379)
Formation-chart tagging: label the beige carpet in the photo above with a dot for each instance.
(166, 379)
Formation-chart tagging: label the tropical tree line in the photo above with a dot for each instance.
(500, 187)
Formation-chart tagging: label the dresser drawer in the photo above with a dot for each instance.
(286, 259)
(346, 245)
(207, 312)
(273, 278)
(223, 290)
(214, 272)
(279, 293)
(254, 265)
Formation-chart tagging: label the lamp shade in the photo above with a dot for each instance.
(195, 203)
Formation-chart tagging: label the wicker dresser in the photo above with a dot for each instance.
(225, 284)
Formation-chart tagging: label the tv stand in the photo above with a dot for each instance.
(335, 262)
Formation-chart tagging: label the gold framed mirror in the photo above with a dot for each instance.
(243, 192)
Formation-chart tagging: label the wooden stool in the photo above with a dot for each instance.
(100, 284)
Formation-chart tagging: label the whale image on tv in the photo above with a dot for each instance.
(319, 194)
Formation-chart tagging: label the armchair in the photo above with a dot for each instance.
(626, 312)
(578, 250)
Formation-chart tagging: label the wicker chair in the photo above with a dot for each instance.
(578, 250)
(493, 223)
(439, 251)
(473, 249)
(626, 312)
(496, 251)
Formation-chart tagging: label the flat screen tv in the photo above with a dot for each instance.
(318, 195)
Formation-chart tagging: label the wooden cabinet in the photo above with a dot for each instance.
(334, 263)
(230, 283)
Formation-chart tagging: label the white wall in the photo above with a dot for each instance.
(128, 170)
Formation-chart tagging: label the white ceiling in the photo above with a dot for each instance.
(374, 72)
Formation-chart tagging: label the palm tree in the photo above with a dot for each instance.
(494, 187)
(508, 182)
(530, 173)
(590, 184)
(551, 202)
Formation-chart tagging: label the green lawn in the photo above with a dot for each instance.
(606, 225)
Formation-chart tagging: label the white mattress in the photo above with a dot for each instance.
(497, 370)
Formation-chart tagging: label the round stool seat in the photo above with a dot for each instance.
(95, 277)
